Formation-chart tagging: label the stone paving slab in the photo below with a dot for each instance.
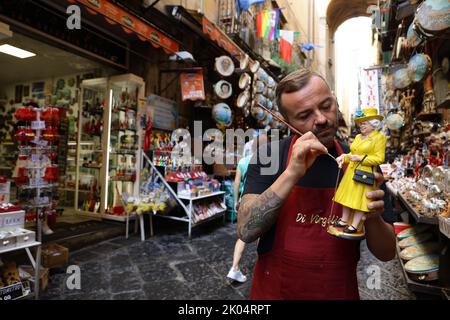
(170, 266)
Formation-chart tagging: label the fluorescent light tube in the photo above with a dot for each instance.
(16, 52)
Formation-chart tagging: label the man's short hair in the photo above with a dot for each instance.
(294, 82)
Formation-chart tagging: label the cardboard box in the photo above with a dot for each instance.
(54, 256)
(29, 275)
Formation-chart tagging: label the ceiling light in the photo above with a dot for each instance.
(16, 52)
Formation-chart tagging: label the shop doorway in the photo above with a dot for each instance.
(49, 77)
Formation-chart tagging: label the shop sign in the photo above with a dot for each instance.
(370, 93)
(192, 85)
(11, 292)
(116, 15)
(163, 111)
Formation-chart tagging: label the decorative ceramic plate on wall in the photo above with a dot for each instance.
(223, 89)
(224, 66)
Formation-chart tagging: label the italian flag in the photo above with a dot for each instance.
(286, 45)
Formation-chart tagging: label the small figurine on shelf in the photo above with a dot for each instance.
(367, 152)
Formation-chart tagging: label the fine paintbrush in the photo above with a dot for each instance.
(285, 122)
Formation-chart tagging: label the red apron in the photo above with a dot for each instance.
(307, 263)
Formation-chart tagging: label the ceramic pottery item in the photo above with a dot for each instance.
(418, 250)
(224, 66)
(416, 239)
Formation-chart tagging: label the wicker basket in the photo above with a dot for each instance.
(444, 226)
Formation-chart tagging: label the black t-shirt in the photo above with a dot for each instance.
(322, 174)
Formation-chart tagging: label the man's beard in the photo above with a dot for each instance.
(327, 138)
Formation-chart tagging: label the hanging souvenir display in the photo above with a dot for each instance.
(402, 78)
(394, 121)
(222, 115)
(259, 87)
(258, 113)
(413, 38)
(224, 66)
(254, 67)
(418, 66)
(433, 17)
(223, 89)
(243, 99)
(243, 63)
(244, 81)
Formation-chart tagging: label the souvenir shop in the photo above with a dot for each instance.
(70, 134)
(416, 105)
(83, 139)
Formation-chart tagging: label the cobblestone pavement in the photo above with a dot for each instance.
(170, 266)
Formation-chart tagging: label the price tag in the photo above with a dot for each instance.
(43, 200)
(37, 125)
(11, 292)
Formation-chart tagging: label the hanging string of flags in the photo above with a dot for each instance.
(267, 27)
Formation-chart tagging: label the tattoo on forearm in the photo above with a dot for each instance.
(261, 214)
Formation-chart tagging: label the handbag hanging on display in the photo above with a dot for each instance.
(363, 176)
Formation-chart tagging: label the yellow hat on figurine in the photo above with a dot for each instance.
(366, 115)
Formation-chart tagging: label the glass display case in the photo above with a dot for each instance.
(89, 151)
(123, 138)
(107, 145)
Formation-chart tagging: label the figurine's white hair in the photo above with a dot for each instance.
(376, 124)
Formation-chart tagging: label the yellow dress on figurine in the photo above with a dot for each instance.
(351, 193)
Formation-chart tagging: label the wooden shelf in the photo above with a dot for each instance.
(417, 216)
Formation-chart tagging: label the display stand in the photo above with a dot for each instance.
(35, 262)
(187, 207)
(421, 287)
(420, 218)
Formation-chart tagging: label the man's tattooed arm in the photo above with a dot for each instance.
(257, 214)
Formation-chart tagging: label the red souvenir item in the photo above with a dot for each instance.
(20, 114)
(30, 114)
(22, 178)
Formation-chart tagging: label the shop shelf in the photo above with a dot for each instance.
(114, 217)
(123, 179)
(123, 130)
(123, 109)
(215, 216)
(23, 246)
(124, 151)
(444, 226)
(202, 197)
(427, 288)
(417, 216)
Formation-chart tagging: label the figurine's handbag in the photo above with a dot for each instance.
(362, 176)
